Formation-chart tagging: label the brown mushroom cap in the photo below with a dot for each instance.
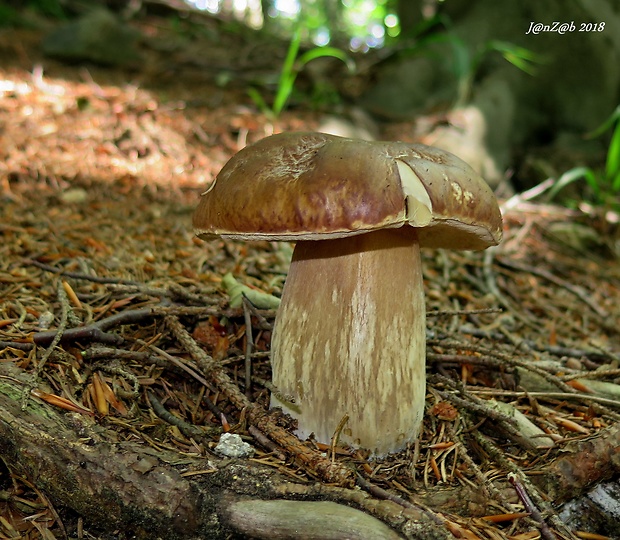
(308, 186)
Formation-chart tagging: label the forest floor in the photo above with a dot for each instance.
(98, 180)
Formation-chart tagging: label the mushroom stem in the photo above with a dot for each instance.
(349, 339)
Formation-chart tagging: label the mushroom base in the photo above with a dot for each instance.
(349, 339)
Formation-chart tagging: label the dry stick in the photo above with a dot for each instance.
(108, 353)
(16, 345)
(599, 374)
(64, 318)
(548, 395)
(486, 484)
(143, 357)
(471, 402)
(267, 443)
(78, 275)
(600, 409)
(192, 298)
(173, 289)
(260, 354)
(553, 379)
(507, 423)
(507, 359)
(471, 405)
(336, 435)
(491, 283)
(499, 458)
(96, 332)
(381, 493)
(551, 349)
(330, 472)
(579, 293)
(530, 507)
(607, 354)
(451, 312)
(189, 430)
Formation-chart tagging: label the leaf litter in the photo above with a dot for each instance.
(119, 313)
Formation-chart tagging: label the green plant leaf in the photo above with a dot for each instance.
(613, 117)
(594, 181)
(573, 175)
(322, 52)
(520, 57)
(259, 101)
(615, 183)
(236, 291)
(288, 74)
(612, 164)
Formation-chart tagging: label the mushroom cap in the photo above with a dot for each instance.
(311, 186)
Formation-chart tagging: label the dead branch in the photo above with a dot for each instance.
(579, 293)
(584, 464)
(97, 331)
(326, 469)
(127, 486)
(79, 275)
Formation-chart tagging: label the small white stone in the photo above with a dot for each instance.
(231, 445)
(45, 320)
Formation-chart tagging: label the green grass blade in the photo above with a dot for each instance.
(593, 181)
(612, 165)
(520, 57)
(568, 178)
(615, 184)
(322, 52)
(259, 101)
(288, 74)
(613, 117)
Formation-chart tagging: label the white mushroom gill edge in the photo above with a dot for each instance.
(419, 209)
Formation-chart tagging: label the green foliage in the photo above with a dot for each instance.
(432, 36)
(604, 185)
(8, 16)
(12, 17)
(520, 57)
(351, 19)
(51, 8)
(466, 63)
(238, 292)
(292, 66)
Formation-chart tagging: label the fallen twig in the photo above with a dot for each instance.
(64, 318)
(507, 465)
(96, 332)
(314, 460)
(530, 507)
(584, 296)
(381, 493)
(79, 275)
(189, 430)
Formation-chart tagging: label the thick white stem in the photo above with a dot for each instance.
(350, 339)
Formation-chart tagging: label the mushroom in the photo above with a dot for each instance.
(348, 346)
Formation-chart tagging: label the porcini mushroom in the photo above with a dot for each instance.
(349, 337)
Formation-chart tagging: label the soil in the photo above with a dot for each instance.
(100, 169)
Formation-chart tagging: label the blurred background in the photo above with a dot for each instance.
(523, 92)
(161, 93)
